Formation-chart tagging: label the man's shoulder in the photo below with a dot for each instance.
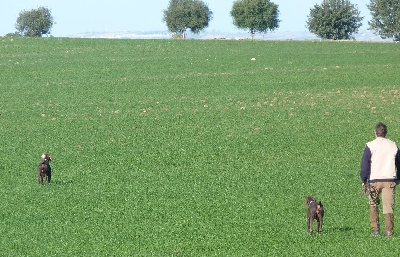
(379, 141)
(389, 141)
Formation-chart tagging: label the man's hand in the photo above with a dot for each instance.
(365, 187)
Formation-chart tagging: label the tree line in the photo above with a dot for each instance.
(332, 19)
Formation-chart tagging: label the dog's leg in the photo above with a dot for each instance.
(309, 225)
(319, 224)
(49, 176)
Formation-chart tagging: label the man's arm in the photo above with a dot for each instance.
(366, 165)
(397, 162)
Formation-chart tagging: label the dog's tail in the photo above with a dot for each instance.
(320, 208)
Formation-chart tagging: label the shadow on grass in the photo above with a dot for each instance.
(61, 182)
(340, 229)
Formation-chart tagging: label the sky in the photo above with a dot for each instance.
(74, 17)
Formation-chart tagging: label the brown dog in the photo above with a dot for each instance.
(44, 169)
(315, 211)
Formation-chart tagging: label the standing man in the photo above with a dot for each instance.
(380, 170)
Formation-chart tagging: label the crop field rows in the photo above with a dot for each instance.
(190, 147)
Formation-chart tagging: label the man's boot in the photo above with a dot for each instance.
(389, 224)
(374, 219)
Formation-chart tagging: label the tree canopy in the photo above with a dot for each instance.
(334, 19)
(255, 15)
(385, 20)
(34, 23)
(187, 14)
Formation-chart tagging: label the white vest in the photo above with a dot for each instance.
(383, 155)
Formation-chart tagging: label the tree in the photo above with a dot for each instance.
(255, 15)
(187, 14)
(334, 19)
(34, 23)
(385, 18)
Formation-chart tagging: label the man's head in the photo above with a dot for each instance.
(380, 130)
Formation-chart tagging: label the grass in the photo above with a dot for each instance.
(190, 148)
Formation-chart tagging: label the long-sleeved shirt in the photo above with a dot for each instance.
(380, 161)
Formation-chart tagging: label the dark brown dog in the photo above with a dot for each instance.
(315, 211)
(44, 169)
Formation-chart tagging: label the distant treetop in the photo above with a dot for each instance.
(34, 23)
(334, 19)
(187, 14)
(385, 18)
(255, 15)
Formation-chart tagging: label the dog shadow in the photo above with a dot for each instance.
(61, 182)
(340, 229)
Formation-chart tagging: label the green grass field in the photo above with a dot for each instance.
(191, 148)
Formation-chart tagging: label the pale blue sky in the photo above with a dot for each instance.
(80, 16)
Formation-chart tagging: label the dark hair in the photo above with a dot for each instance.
(380, 130)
